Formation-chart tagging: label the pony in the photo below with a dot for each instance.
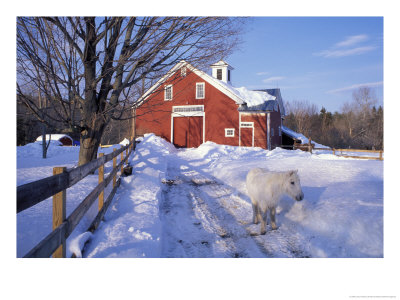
(266, 188)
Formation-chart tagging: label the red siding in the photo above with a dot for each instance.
(188, 131)
(260, 121)
(220, 112)
(260, 128)
(246, 137)
(66, 141)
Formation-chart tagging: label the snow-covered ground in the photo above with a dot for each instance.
(35, 223)
(194, 203)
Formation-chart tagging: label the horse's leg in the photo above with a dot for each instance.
(272, 213)
(264, 222)
(259, 214)
(255, 212)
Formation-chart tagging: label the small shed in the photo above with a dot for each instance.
(63, 139)
(294, 140)
(289, 138)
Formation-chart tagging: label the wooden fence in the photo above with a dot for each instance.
(338, 152)
(35, 192)
(105, 146)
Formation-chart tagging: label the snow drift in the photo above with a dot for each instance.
(194, 203)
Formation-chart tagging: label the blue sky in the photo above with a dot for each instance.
(316, 59)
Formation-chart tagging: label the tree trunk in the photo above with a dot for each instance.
(90, 142)
(90, 138)
(44, 148)
(93, 123)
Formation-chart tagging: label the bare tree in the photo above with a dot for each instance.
(302, 113)
(350, 118)
(364, 99)
(360, 120)
(86, 67)
(358, 125)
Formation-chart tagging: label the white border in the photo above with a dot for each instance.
(226, 132)
(204, 90)
(165, 92)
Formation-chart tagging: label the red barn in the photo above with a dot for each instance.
(62, 139)
(188, 107)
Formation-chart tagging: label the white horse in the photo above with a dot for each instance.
(266, 188)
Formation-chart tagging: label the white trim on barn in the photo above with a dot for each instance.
(246, 125)
(168, 92)
(183, 71)
(229, 132)
(224, 69)
(269, 130)
(200, 90)
(188, 111)
(240, 119)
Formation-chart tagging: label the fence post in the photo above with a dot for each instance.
(59, 213)
(101, 179)
(380, 155)
(333, 149)
(114, 166)
(122, 158)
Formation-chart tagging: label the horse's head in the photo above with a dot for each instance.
(292, 185)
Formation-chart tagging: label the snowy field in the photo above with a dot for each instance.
(194, 203)
(35, 223)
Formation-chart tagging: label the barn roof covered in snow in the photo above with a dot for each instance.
(298, 136)
(294, 135)
(54, 137)
(257, 100)
(277, 94)
(269, 105)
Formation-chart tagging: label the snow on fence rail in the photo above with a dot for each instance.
(35, 192)
(358, 156)
(309, 147)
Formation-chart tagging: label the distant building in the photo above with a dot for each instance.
(188, 107)
(63, 139)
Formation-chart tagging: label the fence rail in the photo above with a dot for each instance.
(357, 156)
(35, 192)
(310, 148)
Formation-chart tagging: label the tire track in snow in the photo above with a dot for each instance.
(195, 227)
(222, 219)
(283, 242)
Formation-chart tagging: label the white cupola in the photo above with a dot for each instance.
(222, 71)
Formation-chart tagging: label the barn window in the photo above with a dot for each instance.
(229, 132)
(280, 131)
(219, 74)
(272, 132)
(168, 92)
(229, 75)
(247, 124)
(183, 71)
(188, 109)
(200, 90)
